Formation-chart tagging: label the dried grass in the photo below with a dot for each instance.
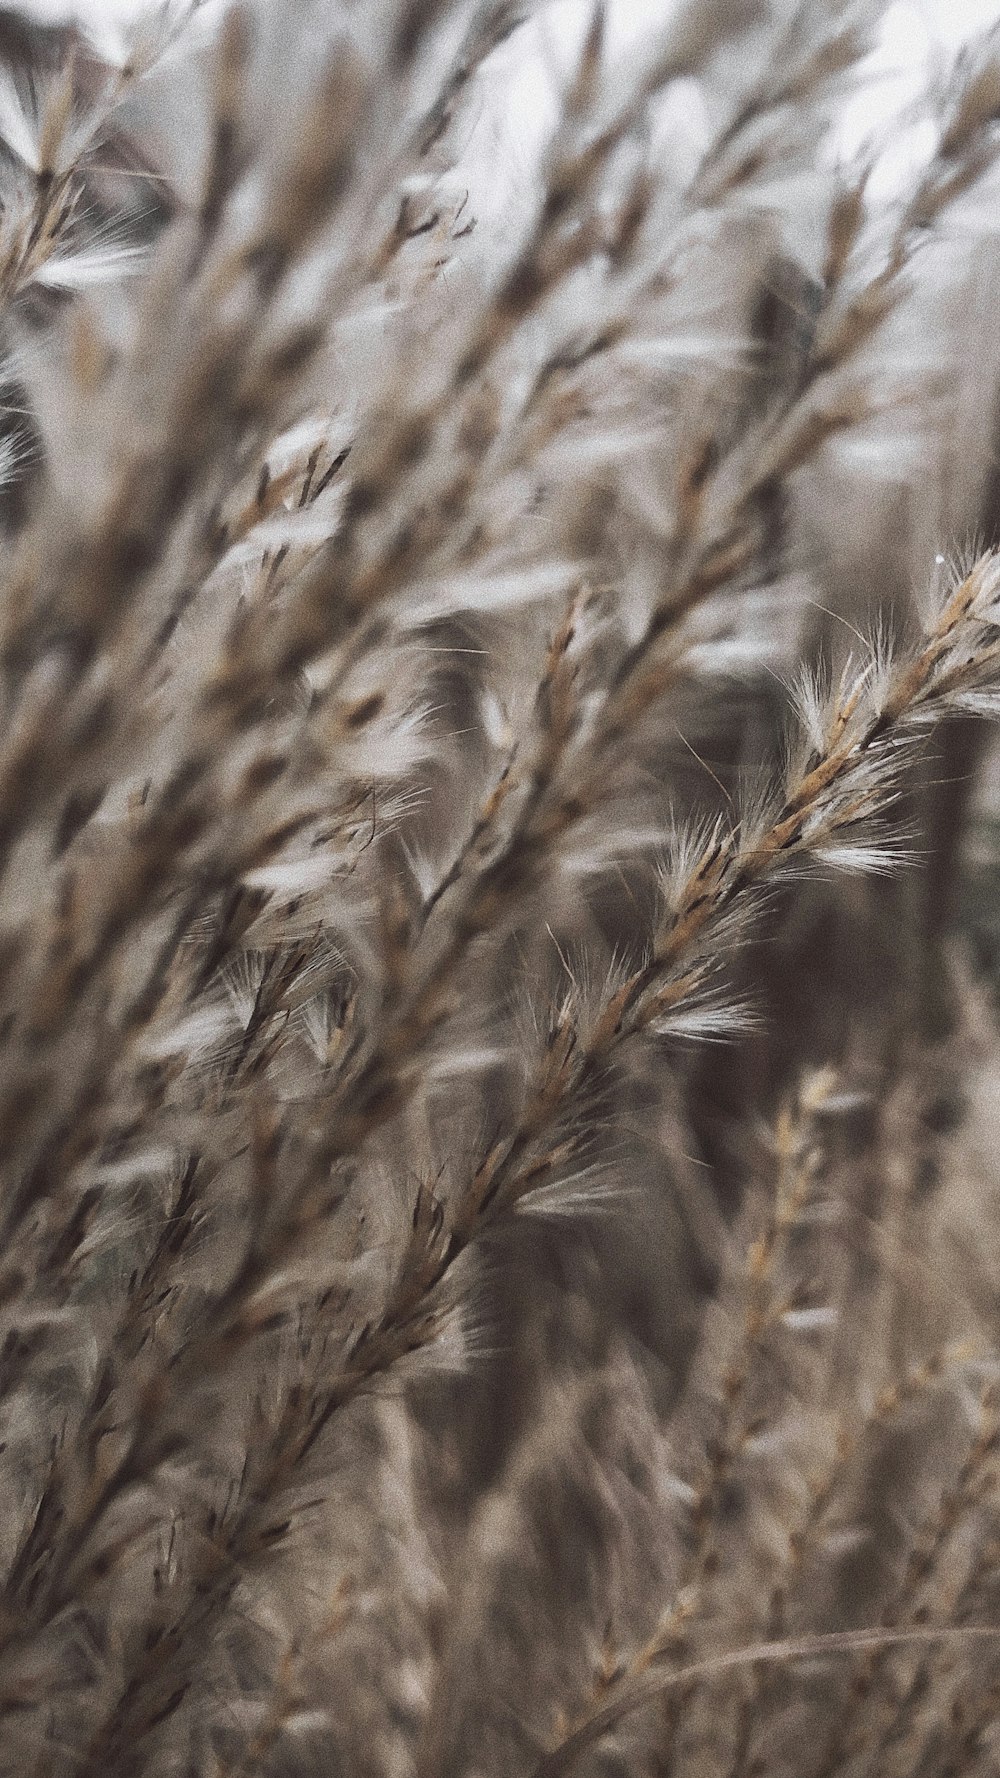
(498, 1066)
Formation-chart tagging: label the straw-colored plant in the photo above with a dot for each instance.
(498, 1270)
